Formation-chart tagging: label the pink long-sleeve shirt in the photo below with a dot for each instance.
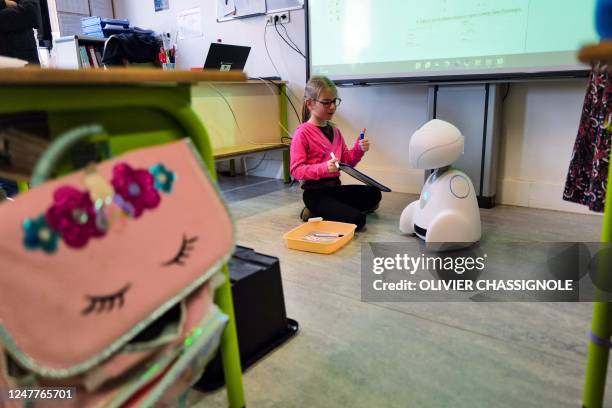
(310, 151)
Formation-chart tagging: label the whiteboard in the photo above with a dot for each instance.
(231, 9)
(246, 8)
(272, 6)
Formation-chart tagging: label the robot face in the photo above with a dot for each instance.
(436, 144)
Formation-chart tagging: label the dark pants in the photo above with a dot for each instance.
(343, 203)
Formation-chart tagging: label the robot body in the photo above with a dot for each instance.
(446, 212)
(446, 216)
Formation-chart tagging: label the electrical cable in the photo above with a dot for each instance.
(289, 38)
(507, 91)
(274, 65)
(268, 52)
(258, 164)
(281, 90)
(296, 49)
(287, 42)
(228, 105)
(240, 130)
(235, 119)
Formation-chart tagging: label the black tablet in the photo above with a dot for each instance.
(350, 170)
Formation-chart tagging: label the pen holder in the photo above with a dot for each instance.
(168, 66)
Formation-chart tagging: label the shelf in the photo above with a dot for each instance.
(240, 150)
(601, 52)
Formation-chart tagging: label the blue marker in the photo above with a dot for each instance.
(362, 134)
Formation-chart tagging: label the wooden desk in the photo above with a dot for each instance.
(136, 108)
(72, 97)
(245, 118)
(129, 76)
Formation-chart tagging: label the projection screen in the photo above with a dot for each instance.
(362, 41)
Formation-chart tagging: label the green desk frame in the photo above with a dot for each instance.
(601, 326)
(134, 114)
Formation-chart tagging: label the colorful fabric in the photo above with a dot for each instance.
(588, 171)
(123, 273)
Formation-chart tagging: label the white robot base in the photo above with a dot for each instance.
(446, 216)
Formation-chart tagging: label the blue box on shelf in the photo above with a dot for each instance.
(104, 27)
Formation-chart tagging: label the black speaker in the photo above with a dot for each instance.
(259, 308)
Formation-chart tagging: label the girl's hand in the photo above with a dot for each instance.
(331, 165)
(10, 3)
(364, 144)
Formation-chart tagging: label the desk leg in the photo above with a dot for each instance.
(230, 353)
(284, 121)
(286, 174)
(232, 165)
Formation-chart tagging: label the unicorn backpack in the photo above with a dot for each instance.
(107, 279)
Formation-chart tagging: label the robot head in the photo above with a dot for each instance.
(436, 144)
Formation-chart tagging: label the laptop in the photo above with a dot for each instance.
(225, 57)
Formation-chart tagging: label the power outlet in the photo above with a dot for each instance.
(280, 17)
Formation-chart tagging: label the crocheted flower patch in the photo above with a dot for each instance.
(78, 216)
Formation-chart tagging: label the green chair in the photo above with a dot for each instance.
(151, 109)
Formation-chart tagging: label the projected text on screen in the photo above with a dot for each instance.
(371, 39)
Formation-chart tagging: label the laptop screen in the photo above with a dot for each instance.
(225, 57)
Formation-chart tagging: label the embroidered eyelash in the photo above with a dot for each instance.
(107, 302)
(186, 247)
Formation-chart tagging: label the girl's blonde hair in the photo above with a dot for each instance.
(313, 89)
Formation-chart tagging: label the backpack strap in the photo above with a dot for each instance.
(59, 147)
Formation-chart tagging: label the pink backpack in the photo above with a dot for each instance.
(108, 276)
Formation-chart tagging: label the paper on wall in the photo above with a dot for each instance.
(246, 8)
(229, 8)
(189, 23)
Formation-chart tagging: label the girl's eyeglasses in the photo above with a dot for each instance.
(327, 102)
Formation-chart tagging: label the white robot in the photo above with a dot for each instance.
(446, 216)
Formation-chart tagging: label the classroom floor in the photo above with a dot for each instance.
(355, 354)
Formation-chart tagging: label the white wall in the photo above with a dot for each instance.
(540, 125)
(540, 118)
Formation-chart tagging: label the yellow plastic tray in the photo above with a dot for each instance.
(297, 237)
